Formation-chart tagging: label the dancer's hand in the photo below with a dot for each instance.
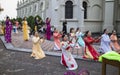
(61, 32)
(42, 40)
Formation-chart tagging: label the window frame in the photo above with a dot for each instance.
(85, 5)
(68, 10)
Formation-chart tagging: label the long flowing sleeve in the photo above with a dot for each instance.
(66, 49)
(59, 35)
(79, 34)
(89, 40)
(65, 46)
(105, 38)
(105, 43)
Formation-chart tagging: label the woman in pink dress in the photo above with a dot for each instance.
(72, 35)
(48, 29)
(114, 41)
(57, 36)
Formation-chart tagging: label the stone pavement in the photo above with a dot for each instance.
(20, 63)
(19, 44)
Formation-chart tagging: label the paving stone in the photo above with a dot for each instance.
(18, 42)
(20, 63)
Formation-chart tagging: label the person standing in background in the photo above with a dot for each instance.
(48, 29)
(114, 41)
(1, 32)
(25, 30)
(64, 27)
(8, 30)
(17, 25)
(37, 22)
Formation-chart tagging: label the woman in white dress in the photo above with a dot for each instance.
(105, 42)
(80, 41)
(66, 58)
(73, 38)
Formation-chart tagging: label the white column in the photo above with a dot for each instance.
(54, 14)
(108, 15)
(80, 15)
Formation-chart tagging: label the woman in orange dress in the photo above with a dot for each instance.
(90, 52)
(114, 41)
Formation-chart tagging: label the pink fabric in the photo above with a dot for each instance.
(17, 23)
(57, 37)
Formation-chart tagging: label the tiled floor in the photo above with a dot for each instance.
(17, 41)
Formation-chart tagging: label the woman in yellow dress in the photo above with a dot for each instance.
(37, 52)
(2, 29)
(25, 30)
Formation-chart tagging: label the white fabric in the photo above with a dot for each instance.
(68, 58)
(56, 47)
(105, 43)
(35, 39)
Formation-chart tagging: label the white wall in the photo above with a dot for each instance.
(98, 18)
(94, 16)
(108, 15)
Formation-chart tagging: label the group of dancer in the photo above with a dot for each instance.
(85, 41)
(9, 26)
(67, 42)
(26, 28)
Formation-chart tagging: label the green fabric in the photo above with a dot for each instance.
(112, 55)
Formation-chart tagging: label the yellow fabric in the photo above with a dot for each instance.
(37, 50)
(25, 31)
(88, 54)
(1, 29)
(35, 28)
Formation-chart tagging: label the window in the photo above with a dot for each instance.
(35, 8)
(23, 11)
(69, 10)
(26, 10)
(85, 9)
(30, 10)
(41, 6)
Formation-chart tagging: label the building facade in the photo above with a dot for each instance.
(93, 15)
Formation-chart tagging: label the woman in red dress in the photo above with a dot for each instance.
(90, 52)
